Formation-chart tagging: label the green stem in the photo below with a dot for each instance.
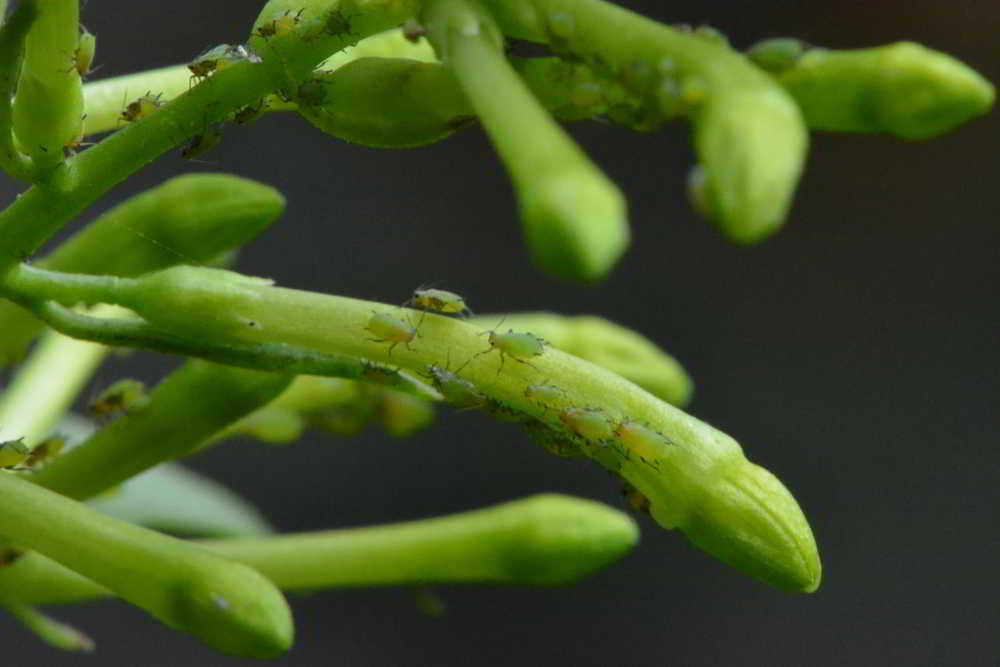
(12, 37)
(48, 107)
(187, 408)
(47, 384)
(42, 210)
(573, 216)
(229, 606)
(544, 540)
(748, 133)
(695, 477)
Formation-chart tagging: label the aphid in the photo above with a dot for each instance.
(122, 396)
(438, 301)
(219, 57)
(413, 30)
(13, 453)
(517, 346)
(336, 24)
(312, 92)
(388, 329)
(249, 113)
(45, 451)
(635, 499)
(544, 394)
(646, 443)
(83, 57)
(552, 441)
(141, 107)
(202, 143)
(457, 391)
(282, 25)
(588, 423)
(382, 375)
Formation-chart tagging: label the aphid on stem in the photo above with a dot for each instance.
(282, 25)
(142, 107)
(389, 329)
(517, 346)
(121, 397)
(456, 390)
(646, 443)
(218, 58)
(13, 453)
(204, 142)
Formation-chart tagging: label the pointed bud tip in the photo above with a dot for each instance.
(559, 539)
(751, 522)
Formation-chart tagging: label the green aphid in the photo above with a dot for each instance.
(381, 375)
(13, 453)
(249, 113)
(202, 143)
(220, 57)
(546, 395)
(589, 423)
(280, 26)
(142, 107)
(438, 301)
(312, 92)
(121, 397)
(635, 499)
(456, 390)
(45, 452)
(517, 346)
(643, 441)
(83, 57)
(388, 329)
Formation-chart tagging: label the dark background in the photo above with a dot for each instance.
(854, 355)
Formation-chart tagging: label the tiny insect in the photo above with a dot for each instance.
(377, 374)
(635, 499)
(83, 56)
(249, 113)
(45, 451)
(517, 346)
(438, 301)
(388, 329)
(121, 397)
(336, 24)
(13, 453)
(282, 25)
(456, 390)
(312, 92)
(218, 58)
(141, 107)
(413, 30)
(588, 423)
(544, 394)
(202, 143)
(646, 443)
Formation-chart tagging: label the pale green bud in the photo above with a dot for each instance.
(903, 88)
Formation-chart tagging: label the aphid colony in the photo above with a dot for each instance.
(562, 429)
(208, 63)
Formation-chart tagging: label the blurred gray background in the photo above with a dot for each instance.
(854, 355)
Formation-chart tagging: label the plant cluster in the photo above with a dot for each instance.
(270, 362)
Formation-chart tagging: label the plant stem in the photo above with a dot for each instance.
(229, 606)
(544, 540)
(47, 384)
